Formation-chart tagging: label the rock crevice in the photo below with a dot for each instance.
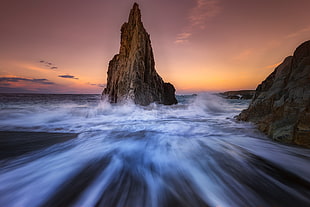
(131, 73)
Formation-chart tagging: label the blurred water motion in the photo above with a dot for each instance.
(192, 154)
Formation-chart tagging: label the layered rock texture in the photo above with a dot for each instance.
(281, 104)
(131, 73)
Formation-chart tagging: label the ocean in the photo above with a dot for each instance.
(76, 150)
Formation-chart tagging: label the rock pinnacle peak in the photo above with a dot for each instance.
(135, 14)
(131, 73)
(135, 6)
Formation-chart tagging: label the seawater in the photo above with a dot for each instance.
(190, 154)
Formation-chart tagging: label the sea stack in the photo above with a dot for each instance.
(131, 73)
(281, 104)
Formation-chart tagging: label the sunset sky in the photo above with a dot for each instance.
(64, 46)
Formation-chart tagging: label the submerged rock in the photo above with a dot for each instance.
(131, 73)
(281, 104)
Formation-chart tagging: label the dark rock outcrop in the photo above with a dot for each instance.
(281, 104)
(131, 73)
(242, 94)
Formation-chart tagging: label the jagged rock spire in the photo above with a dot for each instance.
(131, 73)
(135, 15)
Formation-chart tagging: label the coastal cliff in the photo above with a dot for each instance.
(281, 103)
(131, 73)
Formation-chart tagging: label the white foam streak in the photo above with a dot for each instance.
(80, 118)
(192, 152)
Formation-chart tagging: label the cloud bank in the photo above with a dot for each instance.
(9, 80)
(68, 76)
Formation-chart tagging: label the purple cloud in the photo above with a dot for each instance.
(68, 76)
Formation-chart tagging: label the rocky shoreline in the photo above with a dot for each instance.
(281, 105)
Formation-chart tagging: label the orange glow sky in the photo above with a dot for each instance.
(199, 45)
